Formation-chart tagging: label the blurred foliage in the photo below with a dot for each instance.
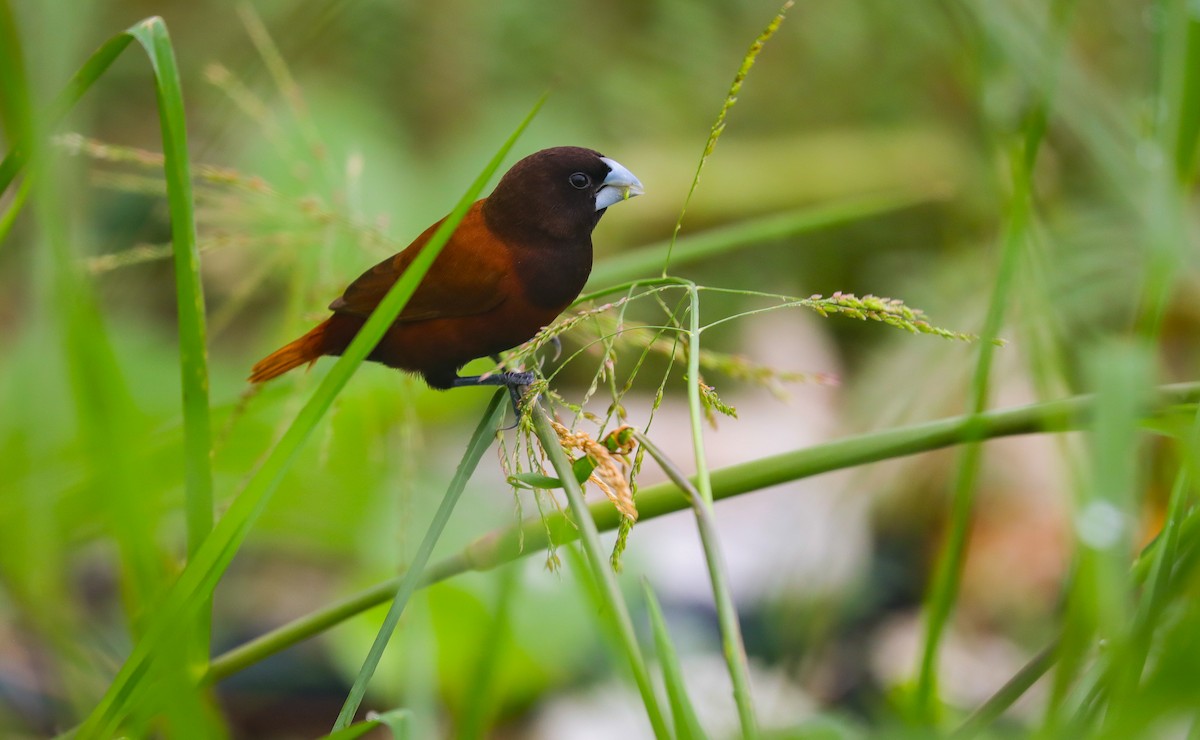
(325, 135)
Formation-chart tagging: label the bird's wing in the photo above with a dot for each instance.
(467, 277)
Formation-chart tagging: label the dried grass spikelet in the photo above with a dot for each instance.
(609, 473)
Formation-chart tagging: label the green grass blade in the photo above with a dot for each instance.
(1180, 85)
(1098, 604)
(719, 125)
(481, 693)
(533, 535)
(92, 69)
(644, 261)
(732, 645)
(197, 581)
(1163, 559)
(193, 352)
(1008, 694)
(605, 579)
(189, 299)
(16, 110)
(398, 722)
(687, 724)
(484, 434)
(943, 593)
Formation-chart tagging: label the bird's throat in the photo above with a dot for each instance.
(554, 275)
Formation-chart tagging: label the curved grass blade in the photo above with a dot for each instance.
(189, 294)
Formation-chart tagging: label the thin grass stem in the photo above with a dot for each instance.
(482, 438)
(605, 580)
(687, 724)
(732, 644)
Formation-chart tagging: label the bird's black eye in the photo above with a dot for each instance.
(579, 181)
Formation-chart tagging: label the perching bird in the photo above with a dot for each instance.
(517, 260)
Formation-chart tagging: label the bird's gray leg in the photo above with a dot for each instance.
(515, 382)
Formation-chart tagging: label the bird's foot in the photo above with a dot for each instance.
(507, 378)
(514, 381)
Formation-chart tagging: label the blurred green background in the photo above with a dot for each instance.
(326, 135)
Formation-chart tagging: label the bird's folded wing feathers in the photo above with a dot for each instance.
(461, 282)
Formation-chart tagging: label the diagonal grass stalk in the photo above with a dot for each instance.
(687, 724)
(473, 724)
(604, 579)
(482, 439)
(948, 570)
(732, 645)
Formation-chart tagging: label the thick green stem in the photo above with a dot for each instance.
(533, 535)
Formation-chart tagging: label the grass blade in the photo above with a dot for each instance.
(687, 724)
(645, 260)
(482, 439)
(605, 579)
(398, 722)
(193, 352)
(733, 647)
(480, 695)
(1099, 604)
(189, 299)
(16, 111)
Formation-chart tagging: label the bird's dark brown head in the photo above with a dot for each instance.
(557, 196)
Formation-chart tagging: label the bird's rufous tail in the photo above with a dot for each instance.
(292, 355)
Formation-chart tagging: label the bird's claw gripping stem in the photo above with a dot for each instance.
(515, 382)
